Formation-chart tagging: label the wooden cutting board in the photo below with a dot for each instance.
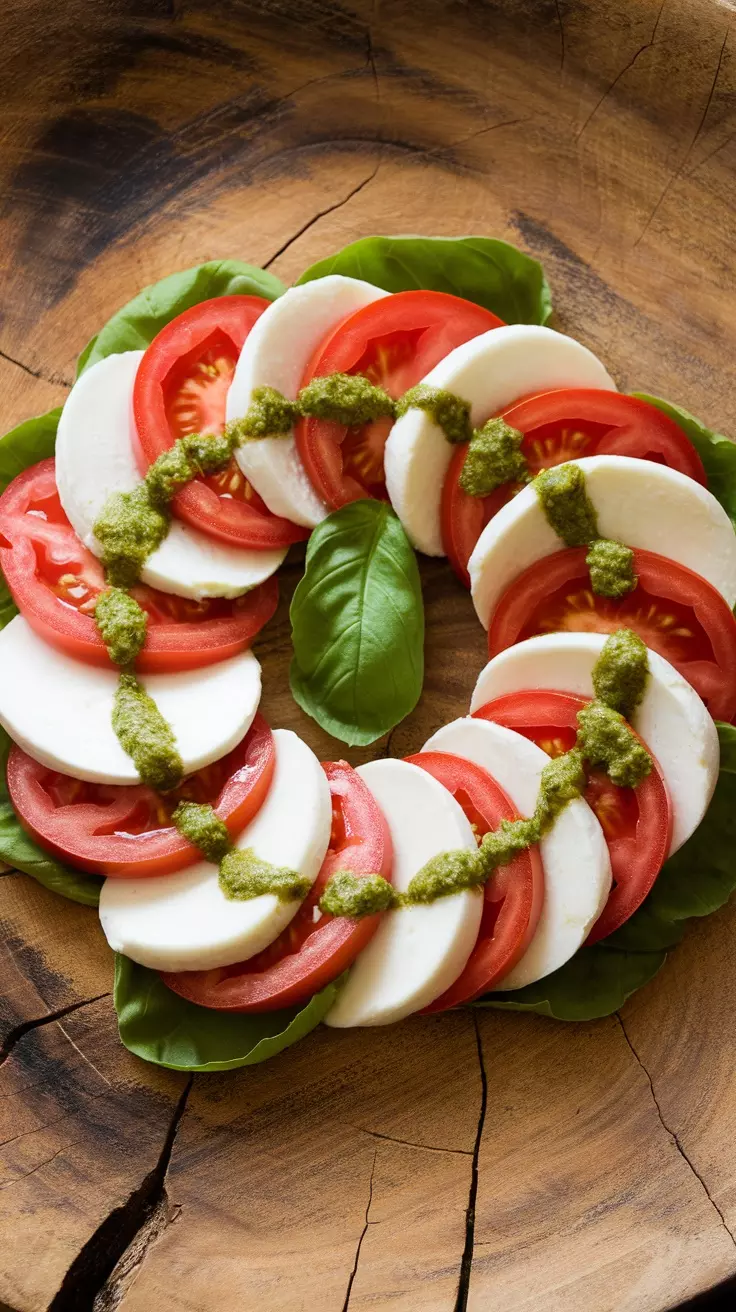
(489, 1161)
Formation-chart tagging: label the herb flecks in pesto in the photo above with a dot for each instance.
(203, 828)
(145, 735)
(349, 399)
(608, 743)
(443, 875)
(244, 875)
(449, 412)
(566, 504)
(611, 568)
(129, 529)
(269, 415)
(122, 625)
(621, 672)
(347, 894)
(494, 457)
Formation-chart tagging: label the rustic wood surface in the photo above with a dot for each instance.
(485, 1161)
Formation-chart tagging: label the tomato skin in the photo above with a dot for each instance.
(99, 835)
(308, 955)
(205, 340)
(636, 823)
(542, 598)
(603, 422)
(395, 342)
(513, 896)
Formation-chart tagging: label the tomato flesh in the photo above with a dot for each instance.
(562, 425)
(181, 387)
(636, 822)
(675, 612)
(55, 582)
(394, 342)
(514, 894)
(309, 953)
(126, 831)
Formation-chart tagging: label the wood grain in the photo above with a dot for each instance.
(597, 1160)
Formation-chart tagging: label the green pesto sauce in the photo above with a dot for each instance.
(494, 457)
(607, 742)
(611, 568)
(268, 415)
(243, 875)
(122, 625)
(349, 399)
(201, 826)
(347, 894)
(566, 504)
(129, 529)
(443, 875)
(145, 735)
(447, 411)
(621, 672)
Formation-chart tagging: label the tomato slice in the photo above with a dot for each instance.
(513, 896)
(311, 951)
(394, 342)
(564, 425)
(181, 387)
(673, 610)
(55, 582)
(126, 831)
(636, 822)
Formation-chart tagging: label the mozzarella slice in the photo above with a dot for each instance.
(60, 710)
(417, 951)
(94, 458)
(276, 354)
(185, 921)
(671, 719)
(577, 867)
(638, 502)
(490, 372)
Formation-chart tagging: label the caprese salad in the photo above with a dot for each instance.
(249, 890)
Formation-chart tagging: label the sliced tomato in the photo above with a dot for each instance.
(673, 610)
(564, 425)
(181, 387)
(514, 894)
(394, 342)
(636, 822)
(55, 583)
(314, 948)
(125, 831)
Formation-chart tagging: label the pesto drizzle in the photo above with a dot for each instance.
(563, 496)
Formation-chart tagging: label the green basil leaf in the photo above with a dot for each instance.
(163, 1028)
(697, 880)
(718, 453)
(358, 624)
(134, 327)
(31, 441)
(489, 272)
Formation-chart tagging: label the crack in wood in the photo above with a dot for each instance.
(558, 11)
(363, 1234)
(90, 1275)
(19, 1031)
(320, 215)
(407, 1143)
(672, 1134)
(466, 1264)
(55, 379)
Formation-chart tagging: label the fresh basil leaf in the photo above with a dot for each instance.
(134, 327)
(697, 880)
(31, 441)
(718, 453)
(163, 1028)
(358, 624)
(489, 272)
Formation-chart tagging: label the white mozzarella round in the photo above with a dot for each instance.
(59, 710)
(418, 951)
(94, 458)
(577, 867)
(638, 502)
(490, 372)
(276, 354)
(185, 922)
(671, 719)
